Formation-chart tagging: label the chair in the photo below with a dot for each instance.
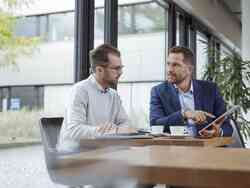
(238, 139)
(50, 129)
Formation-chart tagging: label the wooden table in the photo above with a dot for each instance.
(174, 165)
(188, 141)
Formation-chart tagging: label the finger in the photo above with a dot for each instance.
(111, 126)
(103, 128)
(107, 128)
(211, 132)
(216, 130)
(100, 129)
(203, 133)
(202, 117)
(209, 115)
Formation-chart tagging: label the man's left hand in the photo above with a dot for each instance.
(215, 129)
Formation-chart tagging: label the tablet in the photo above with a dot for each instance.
(225, 115)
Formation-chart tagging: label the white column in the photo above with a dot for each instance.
(245, 4)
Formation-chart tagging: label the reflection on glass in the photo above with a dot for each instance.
(33, 89)
(99, 26)
(201, 54)
(61, 27)
(142, 41)
(135, 98)
(178, 29)
(141, 18)
(26, 26)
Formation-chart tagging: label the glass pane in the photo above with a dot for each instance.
(27, 26)
(44, 29)
(142, 40)
(136, 99)
(224, 51)
(61, 27)
(22, 88)
(201, 54)
(178, 29)
(99, 23)
(25, 97)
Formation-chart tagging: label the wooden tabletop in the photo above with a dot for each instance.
(173, 165)
(187, 141)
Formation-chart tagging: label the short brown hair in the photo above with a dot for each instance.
(99, 55)
(187, 53)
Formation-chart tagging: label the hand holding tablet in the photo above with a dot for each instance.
(217, 122)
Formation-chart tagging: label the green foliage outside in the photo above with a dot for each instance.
(232, 75)
(12, 46)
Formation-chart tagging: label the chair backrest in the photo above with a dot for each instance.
(50, 129)
(238, 139)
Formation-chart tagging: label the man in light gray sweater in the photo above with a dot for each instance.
(94, 108)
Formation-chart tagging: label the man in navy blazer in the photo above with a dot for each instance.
(183, 100)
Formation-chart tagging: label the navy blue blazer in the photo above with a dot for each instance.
(165, 107)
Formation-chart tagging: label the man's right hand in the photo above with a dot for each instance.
(198, 116)
(110, 128)
(106, 128)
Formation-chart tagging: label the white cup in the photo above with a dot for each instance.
(178, 130)
(157, 129)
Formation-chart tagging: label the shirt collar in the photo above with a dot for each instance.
(97, 85)
(191, 89)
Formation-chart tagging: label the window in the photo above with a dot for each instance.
(16, 98)
(44, 28)
(4, 97)
(99, 23)
(61, 27)
(27, 26)
(142, 41)
(141, 18)
(201, 54)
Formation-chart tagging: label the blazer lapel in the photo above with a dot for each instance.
(176, 101)
(171, 98)
(197, 96)
(174, 98)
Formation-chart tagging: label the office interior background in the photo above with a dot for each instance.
(143, 30)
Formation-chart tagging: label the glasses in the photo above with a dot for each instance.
(118, 68)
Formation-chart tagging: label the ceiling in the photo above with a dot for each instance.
(234, 7)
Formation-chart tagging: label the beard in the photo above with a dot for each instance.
(175, 79)
(112, 82)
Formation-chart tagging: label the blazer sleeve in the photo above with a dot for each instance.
(158, 115)
(220, 108)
